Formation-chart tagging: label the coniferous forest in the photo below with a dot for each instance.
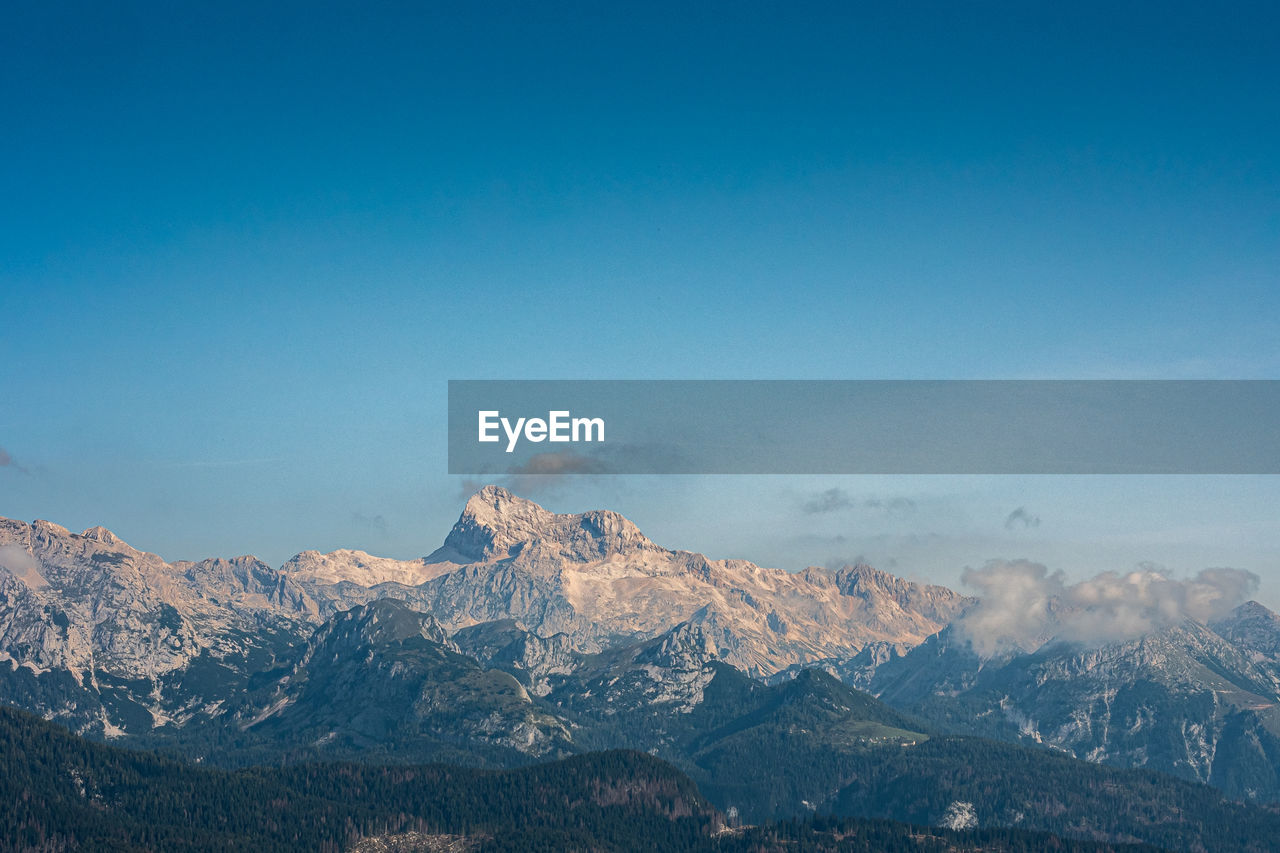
(62, 792)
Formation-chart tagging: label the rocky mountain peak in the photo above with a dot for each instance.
(881, 589)
(861, 576)
(496, 502)
(1252, 611)
(493, 521)
(497, 523)
(103, 535)
(44, 525)
(42, 529)
(690, 643)
(383, 621)
(1253, 626)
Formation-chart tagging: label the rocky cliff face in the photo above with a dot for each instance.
(597, 579)
(668, 674)
(111, 638)
(1255, 630)
(496, 525)
(123, 626)
(383, 676)
(1184, 700)
(535, 660)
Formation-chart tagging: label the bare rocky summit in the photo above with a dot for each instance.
(97, 633)
(108, 637)
(596, 578)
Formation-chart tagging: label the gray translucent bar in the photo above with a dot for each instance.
(874, 427)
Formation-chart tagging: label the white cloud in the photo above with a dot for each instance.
(1022, 604)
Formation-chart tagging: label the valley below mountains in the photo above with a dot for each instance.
(534, 638)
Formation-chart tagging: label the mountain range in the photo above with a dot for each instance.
(534, 636)
(142, 643)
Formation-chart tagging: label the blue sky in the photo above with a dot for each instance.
(243, 249)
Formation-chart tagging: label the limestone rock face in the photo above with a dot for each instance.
(597, 579)
(123, 626)
(1255, 629)
(110, 638)
(383, 675)
(532, 659)
(1184, 700)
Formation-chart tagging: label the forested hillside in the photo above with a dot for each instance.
(61, 792)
